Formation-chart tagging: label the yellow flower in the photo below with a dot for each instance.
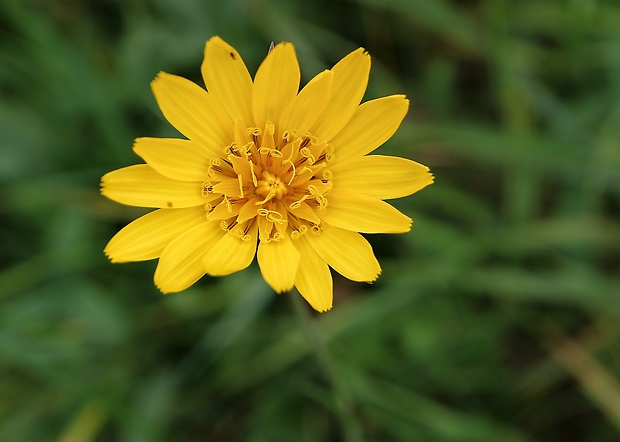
(266, 166)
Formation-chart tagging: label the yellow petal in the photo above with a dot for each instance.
(180, 264)
(146, 237)
(193, 112)
(380, 176)
(348, 87)
(141, 186)
(275, 85)
(248, 210)
(361, 213)
(231, 253)
(308, 105)
(228, 186)
(278, 262)
(227, 79)
(372, 125)
(313, 280)
(346, 252)
(178, 159)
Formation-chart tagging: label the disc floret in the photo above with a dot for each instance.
(275, 181)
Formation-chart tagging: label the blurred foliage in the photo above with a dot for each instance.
(495, 318)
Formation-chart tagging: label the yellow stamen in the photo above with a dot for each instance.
(289, 135)
(275, 217)
(305, 152)
(295, 234)
(254, 179)
(240, 178)
(269, 196)
(207, 188)
(254, 132)
(292, 174)
(297, 204)
(228, 205)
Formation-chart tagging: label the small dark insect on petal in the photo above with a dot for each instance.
(233, 56)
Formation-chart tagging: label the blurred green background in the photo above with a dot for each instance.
(495, 318)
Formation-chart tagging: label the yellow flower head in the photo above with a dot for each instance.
(266, 166)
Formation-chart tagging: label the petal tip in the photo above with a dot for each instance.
(361, 51)
(215, 39)
(163, 290)
(318, 304)
(375, 277)
(108, 255)
(282, 290)
(324, 310)
(158, 82)
(160, 75)
(216, 43)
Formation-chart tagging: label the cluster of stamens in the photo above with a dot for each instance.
(276, 180)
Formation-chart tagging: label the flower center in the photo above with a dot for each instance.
(271, 186)
(277, 180)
